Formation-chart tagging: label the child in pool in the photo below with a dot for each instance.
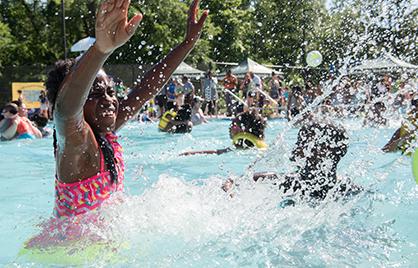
(319, 149)
(246, 131)
(404, 136)
(177, 121)
(86, 110)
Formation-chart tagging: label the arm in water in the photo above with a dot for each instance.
(394, 142)
(217, 152)
(158, 76)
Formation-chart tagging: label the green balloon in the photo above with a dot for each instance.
(314, 58)
(415, 165)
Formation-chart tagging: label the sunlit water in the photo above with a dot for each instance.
(176, 215)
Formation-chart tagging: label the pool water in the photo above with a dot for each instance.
(175, 214)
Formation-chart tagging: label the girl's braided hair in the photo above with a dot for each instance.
(53, 84)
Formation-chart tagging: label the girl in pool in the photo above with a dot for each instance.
(86, 111)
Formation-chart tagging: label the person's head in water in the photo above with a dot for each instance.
(10, 110)
(247, 130)
(101, 107)
(319, 148)
(197, 102)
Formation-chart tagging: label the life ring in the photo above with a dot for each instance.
(166, 118)
(254, 140)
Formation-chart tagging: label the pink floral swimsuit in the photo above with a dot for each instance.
(72, 199)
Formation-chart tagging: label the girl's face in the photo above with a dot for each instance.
(101, 108)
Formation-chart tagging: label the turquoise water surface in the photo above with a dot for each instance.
(176, 215)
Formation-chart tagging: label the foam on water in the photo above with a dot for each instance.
(175, 214)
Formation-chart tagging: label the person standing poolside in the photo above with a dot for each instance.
(44, 109)
(87, 113)
(274, 85)
(171, 94)
(210, 85)
(296, 102)
(258, 83)
(230, 82)
(188, 90)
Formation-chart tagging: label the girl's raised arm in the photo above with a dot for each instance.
(158, 76)
(112, 31)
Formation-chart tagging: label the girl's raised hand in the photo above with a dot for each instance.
(194, 27)
(112, 26)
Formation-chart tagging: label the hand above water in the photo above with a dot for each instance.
(112, 26)
(194, 27)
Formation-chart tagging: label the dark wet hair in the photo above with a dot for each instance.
(53, 83)
(321, 140)
(40, 121)
(251, 122)
(17, 102)
(414, 102)
(56, 77)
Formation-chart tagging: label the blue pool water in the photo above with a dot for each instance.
(176, 215)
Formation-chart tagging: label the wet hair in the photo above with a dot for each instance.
(251, 122)
(53, 83)
(321, 140)
(55, 78)
(40, 121)
(414, 103)
(18, 103)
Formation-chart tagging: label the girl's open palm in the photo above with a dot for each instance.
(194, 26)
(112, 26)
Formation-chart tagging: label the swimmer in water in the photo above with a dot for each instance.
(405, 136)
(319, 149)
(246, 131)
(13, 126)
(177, 121)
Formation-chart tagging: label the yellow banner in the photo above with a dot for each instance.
(29, 93)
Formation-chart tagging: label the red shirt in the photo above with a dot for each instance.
(230, 82)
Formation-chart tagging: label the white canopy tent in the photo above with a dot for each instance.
(385, 63)
(248, 65)
(185, 69)
(83, 44)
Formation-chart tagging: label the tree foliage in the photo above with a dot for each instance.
(277, 32)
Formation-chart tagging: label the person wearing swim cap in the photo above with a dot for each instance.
(87, 112)
(246, 131)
